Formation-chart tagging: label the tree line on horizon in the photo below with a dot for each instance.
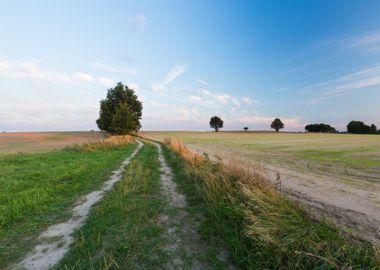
(121, 111)
(354, 127)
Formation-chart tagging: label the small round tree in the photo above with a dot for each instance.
(245, 129)
(120, 112)
(216, 123)
(277, 124)
(123, 121)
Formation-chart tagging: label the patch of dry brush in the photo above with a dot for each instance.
(107, 143)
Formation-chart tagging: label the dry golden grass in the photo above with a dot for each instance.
(13, 142)
(107, 143)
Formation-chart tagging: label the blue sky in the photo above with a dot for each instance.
(246, 61)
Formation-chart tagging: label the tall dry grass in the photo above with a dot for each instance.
(264, 229)
(107, 143)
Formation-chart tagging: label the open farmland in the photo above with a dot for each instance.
(14, 142)
(338, 175)
(161, 208)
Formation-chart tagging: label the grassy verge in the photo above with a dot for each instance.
(261, 228)
(122, 231)
(37, 190)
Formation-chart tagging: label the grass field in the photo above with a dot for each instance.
(36, 190)
(194, 213)
(14, 142)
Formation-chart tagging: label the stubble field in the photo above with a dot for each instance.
(14, 142)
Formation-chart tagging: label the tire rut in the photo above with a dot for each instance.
(184, 243)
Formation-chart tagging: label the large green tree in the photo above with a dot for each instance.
(120, 99)
(277, 124)
(123, 120)
(216, 123)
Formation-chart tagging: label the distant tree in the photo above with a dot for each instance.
(118, 97)
(358, 127)
(277, 124)
(123, 120)
(320, 128)
(245, 129)
(216, 123)
(373, 129)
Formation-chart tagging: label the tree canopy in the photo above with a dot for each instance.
(358, 127)
(216, 123)
(320, 128)
(277, 124)
(121, 111)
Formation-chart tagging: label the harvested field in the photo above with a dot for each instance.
(15, 142)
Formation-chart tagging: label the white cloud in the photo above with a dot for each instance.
(247, 100)
(203, 82)
(84, 77)
(4, 66)
(265, 121)
(139, 22)
(109, 68)
(365, 78)
(106, 81)
(222, 99)
(134, 86)
(33, 71)
(171, 76)
(208, 98)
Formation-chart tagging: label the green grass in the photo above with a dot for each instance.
(261, 229)
(197, 208)
(37, 190)
(122, 230)
(343, 157)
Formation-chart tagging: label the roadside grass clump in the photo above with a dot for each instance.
(122, 231)
(109, 143)
(39, 189)
(262, 228)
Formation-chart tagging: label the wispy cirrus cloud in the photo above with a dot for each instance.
(114, 69)
(208, 98)
(366, 40)
(361, 79)
(33, 71)
(139, 22)
(170, 77)
(202, 82)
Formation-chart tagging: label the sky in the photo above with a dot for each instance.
(248, 62)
